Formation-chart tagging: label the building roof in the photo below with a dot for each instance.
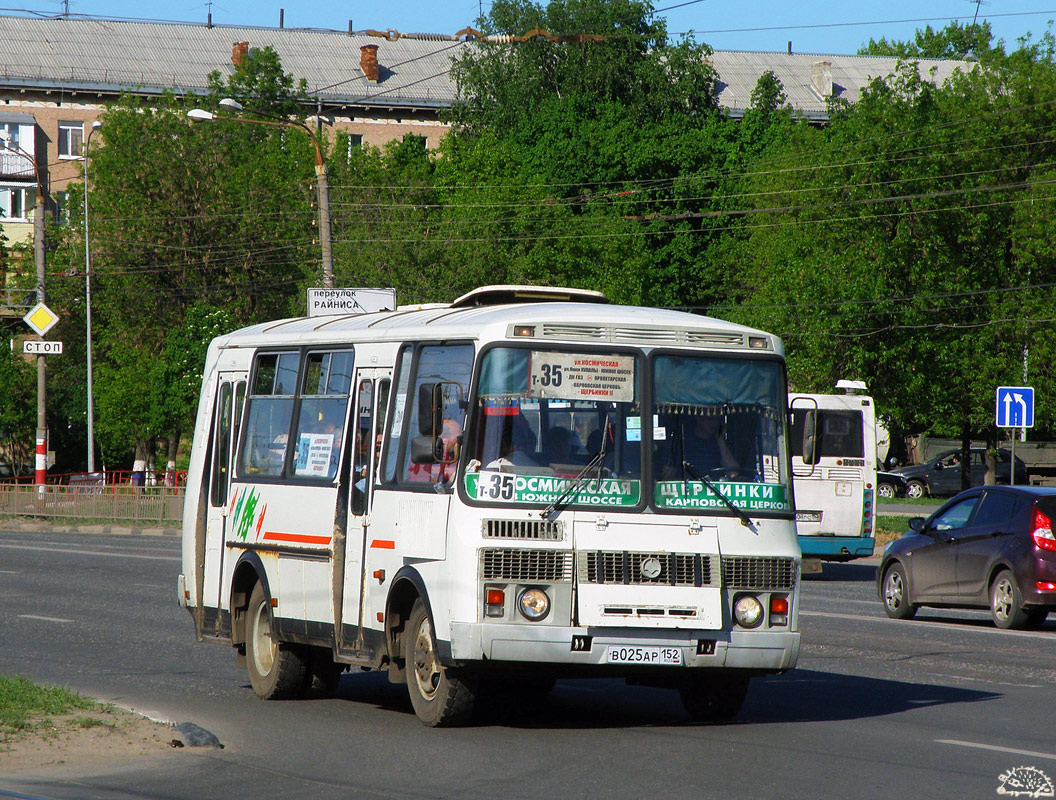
(97, 55)
(808, 79)
(100, 55)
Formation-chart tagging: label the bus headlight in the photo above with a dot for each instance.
(747, 611)
(533, 604)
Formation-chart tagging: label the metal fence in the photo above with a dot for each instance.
(126, 503)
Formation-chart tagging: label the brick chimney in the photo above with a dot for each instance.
(239, 51)
(368, 61)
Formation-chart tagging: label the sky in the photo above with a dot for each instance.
(812, 26)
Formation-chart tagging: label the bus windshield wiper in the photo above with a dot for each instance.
(598, 461)
(746, 521)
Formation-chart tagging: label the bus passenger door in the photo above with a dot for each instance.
(371, 398)
(227, 417)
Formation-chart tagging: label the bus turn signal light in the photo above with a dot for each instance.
(494, 601)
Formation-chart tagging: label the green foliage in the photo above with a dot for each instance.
(955, 41)
(906, 243)
(22, 701)
(902, 244)
(18, 387)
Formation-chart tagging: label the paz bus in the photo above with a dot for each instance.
(502, 488)
(834, 460)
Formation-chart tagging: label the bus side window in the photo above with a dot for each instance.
(269, 412)
(447, 366)
(221, 445)
(364, 446)
(321, 417)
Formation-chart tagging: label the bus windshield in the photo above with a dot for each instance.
(543, 417)
(718, 423)
(557, 427)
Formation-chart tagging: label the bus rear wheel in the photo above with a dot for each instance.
(714, 698)
(440, 696)
(277, 671)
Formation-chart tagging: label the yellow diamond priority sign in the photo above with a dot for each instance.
(41, 319)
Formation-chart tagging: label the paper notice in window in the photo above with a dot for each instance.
(582, 376)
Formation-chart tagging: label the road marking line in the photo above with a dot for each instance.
(70, 551)
(986, 680)
(998, 749)
(1047, 634)
(44, 619)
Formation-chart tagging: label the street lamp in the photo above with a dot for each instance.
(322, 184)
(41, 462)
(88, 304)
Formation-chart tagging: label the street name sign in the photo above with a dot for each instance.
(1015, 407)
(326, 302)
(30, 347)
(41, 319)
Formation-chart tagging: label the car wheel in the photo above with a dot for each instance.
(886, 490)
(896, 593)
(1006, 602)
(916, 490)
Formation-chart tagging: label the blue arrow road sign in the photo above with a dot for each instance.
(1015, 407)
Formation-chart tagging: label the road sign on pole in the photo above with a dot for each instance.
(31, 347)
(1015, 407)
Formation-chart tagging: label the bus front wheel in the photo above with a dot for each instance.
(714, 698)
(277, 671)
(440, 696)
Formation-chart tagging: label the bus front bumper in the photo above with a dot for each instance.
(762, 650)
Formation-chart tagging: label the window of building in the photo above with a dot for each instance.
(17, 201)
(71, 139)
(10, 142)
(355, 142)
(62, 206)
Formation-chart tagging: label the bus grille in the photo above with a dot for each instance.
(843, 474)
(538, 529)
(759, 572)
(675, 569)
(526, 565)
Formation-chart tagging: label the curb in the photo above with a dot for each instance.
(113, 529)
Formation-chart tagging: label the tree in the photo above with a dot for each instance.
(185, 219)
(955, 41)
(901, 244)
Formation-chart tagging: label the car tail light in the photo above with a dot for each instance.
(1041, 530)
(1045, 586)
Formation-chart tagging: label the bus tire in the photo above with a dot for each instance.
(714, 697)
(440, 696)
(277, 671)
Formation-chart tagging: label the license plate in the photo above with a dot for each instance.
(644, 655)
(808, 516)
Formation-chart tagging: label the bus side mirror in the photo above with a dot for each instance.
(810, 438)
(423, 449)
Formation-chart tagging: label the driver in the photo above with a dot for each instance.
(703, 446)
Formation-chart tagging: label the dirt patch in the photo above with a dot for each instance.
(81, 738)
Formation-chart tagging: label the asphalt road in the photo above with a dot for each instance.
(938, 707)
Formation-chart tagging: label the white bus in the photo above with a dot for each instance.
(834, 458)
(507, 487)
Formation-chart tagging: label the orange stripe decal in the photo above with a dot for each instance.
(298, 538)
(383, 544)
